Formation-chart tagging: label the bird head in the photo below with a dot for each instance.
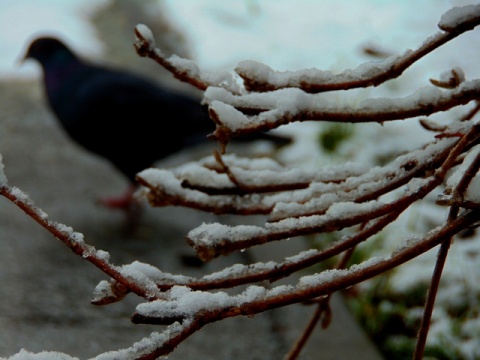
(47, 50)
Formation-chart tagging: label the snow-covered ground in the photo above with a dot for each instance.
(291, 35)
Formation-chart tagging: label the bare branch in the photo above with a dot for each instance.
(459, 192)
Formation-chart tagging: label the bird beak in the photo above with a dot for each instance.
(21, 60)
(24, 55)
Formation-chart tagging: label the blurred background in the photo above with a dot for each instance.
(43, 309)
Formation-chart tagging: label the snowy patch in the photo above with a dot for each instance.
(146, 345)
(459, 16)
(44, 355)
(143, 274)
(146, 33)
(329, 276)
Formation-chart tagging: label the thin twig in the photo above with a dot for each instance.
(323, 310)
(440, 262)
(430, 302)
(299, 345)
(260, 81)
(145, 49)
(75, 242)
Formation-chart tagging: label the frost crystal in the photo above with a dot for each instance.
(186, 303)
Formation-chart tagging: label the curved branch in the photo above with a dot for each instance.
(261, 78)
(429, 100)
(255, 300)
(76, 243)
(182, 69)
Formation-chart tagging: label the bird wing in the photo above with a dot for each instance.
(126, 118)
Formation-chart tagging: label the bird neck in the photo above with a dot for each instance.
(57, 69)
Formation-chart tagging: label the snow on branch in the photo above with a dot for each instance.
(135, 281)
(266, 191)
(296, 202)
(205, 185)
(259, 77)
(290, 105)
(232, 109)
(189, 301)
(183, 303)
(460, 19)
(183, 69)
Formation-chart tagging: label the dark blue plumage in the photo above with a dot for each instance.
(123, 117)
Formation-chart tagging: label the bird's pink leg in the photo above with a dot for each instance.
(123, 202)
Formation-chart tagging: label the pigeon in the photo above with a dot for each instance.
(123, 117)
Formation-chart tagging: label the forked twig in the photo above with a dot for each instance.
(460, 190)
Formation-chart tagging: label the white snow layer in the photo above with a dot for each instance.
(146, 345)
(186, 303)
(44, 355)
(458, 16)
